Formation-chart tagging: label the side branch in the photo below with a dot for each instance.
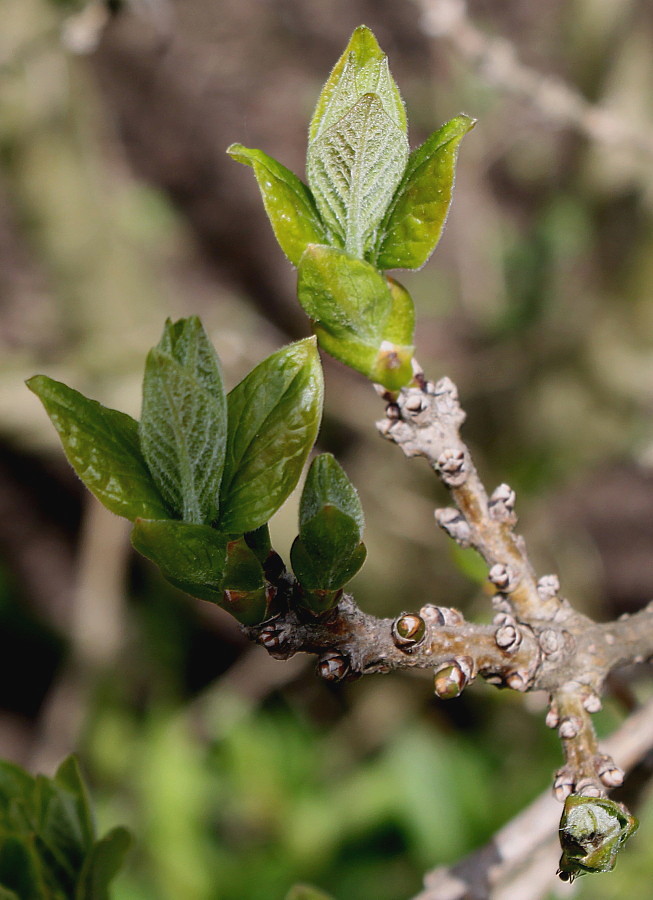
(425, 421)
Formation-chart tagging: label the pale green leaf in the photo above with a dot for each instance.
(354, 168)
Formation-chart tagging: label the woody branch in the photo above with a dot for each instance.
(537, 640)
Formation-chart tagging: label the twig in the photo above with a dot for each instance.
(496, 60)
(515, 843)
(537, 640)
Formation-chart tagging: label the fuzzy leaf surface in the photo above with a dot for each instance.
(353, 168)
(416, 216)
(192, 557)
(274, 415)
(103, 448)
(183, 425)
(288, 202)
(361, 69)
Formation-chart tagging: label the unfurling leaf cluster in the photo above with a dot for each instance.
(370, 205)
(592, 832)
(204, 471)
(48, 842)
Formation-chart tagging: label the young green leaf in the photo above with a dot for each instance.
(415, 218)
(362, 69)
(359, 316)
(20, 873)
(327, 485)
(103, 448)
(184, 420)
(288, 202)
(192, 557)
(353, 169)
(328, 550)
(274, 415)
(592, 832)
(245, 594)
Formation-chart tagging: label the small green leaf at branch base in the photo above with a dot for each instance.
(418, 211)
(103, 448)
(274, 415)
(328, 551)
(592, 832)
(360, 317)
(288, 202)
(183, 427)
(192, 557)
(245, 594)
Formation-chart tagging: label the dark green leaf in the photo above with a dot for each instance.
(102, 865)
(245, 595)
(274, 415)
(360, 317)
(327, 484)
(416, 216)
(69, 777)
(184, 422)
(353, 168)
(324, 571)
(192, 557)
(288, 202)
(328, 551)
(20, 874)
(259, 542)
(103, 448)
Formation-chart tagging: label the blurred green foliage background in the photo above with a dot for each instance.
(240, 775)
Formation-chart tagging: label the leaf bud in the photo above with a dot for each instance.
(503, 578)
(502, 504)
(609, 773)
(452, 468)
(563, 784)
(548, 586)
(508, 637)
(333, 667)
(441, 615)
(454, 523)
(569, 728)
(451, 680)
(408, 630)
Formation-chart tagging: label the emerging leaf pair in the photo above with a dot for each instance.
(370, 205)
(203, 472)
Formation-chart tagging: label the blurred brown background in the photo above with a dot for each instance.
(119, 207)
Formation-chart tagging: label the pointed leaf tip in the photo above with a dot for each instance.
(417, 213)
(274, 415)
(288, 202)
(102, 446)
